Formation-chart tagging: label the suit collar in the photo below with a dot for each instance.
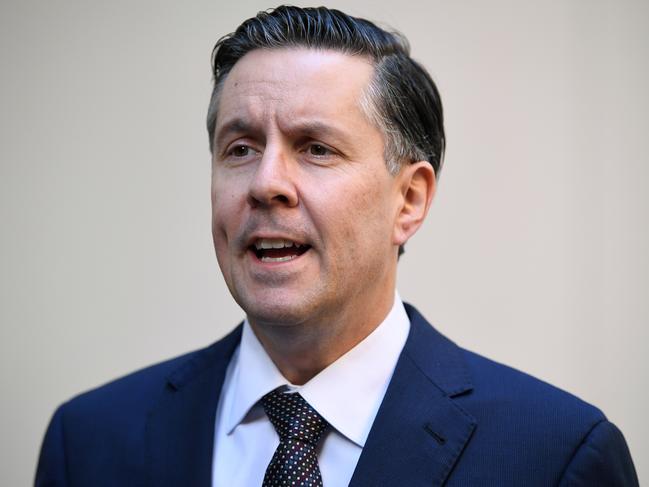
(419, 432)
(416, 439)
(180, 427)
(438, 358)
(347, 393)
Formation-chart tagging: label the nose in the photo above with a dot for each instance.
(273, 181)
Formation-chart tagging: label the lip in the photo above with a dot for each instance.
(251, 252)
(258, 262)
(249, 242)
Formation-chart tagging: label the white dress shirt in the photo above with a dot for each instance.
(347, 394)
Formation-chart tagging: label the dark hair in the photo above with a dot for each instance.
(401, 99)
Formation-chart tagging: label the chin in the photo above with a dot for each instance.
(277, 316)
(274, 310)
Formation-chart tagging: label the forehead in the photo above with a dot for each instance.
(294, 83)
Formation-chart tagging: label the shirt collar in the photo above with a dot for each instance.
(347, 393)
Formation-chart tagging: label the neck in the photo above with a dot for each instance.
(303, 350)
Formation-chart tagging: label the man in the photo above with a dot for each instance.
(327, 141)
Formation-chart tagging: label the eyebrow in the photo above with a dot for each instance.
(316, 129)
(234, 126)
(310, 128)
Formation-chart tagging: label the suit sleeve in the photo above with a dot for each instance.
(602, 459)
(52, 468)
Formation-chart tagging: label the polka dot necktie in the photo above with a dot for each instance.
(300, 428)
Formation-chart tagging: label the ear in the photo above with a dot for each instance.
(417, 185)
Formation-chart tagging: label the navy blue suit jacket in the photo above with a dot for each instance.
(449, 417)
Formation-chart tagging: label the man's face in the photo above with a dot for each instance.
(303, 206)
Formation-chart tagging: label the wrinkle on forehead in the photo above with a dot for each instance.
(285, 84)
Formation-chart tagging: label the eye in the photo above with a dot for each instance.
(240, 150)
(319, 150)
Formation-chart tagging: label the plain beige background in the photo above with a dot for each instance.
(535, 252)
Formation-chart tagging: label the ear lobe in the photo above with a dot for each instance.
(418, 186)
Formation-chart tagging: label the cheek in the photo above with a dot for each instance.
(222, 211)
(371, 204)
(221, 222)
(357, 215)
(223, 202)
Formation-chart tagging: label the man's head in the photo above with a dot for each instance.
(307, 215)
(401, 99)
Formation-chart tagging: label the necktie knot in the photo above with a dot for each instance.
(293, 417)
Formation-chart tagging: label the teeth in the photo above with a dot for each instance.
(278, 259)
(273, 243)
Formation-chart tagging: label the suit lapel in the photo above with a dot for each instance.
(180, 428)
(417, 437)
(419, 432)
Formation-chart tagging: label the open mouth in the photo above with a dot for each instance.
(277, 250)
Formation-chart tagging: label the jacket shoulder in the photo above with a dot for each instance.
(104, 429)
(529, 427)
(486, 386)
(516, 390)
(139, 387)
(559, 437)
(135, 393)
